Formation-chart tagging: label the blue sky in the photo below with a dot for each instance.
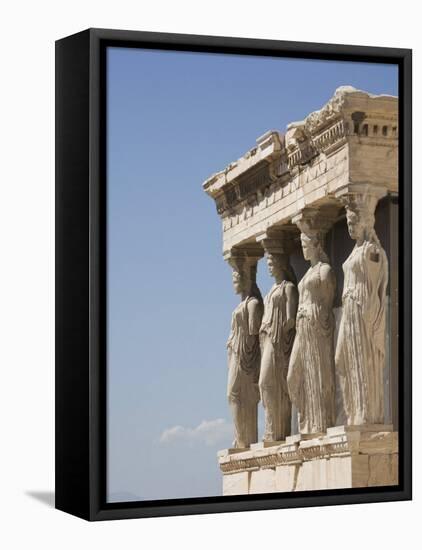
(175, 118)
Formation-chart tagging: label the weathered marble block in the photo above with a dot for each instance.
(344, 457)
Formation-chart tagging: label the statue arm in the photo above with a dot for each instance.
(291, 306)
(373, 266)
(374, 308)
(328, 281)
(255, 311)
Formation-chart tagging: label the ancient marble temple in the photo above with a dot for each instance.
(317, 207)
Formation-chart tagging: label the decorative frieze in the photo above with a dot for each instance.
(336, 442)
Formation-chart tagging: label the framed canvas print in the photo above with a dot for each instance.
(233, 280)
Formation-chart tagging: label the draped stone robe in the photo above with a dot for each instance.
(276, 346)
(311, 380)
(244, 358)
(360, 352)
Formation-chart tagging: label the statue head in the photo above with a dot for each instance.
(276, 265)
(277, 246)
(313, 247)
(244, 277)
(279, 267)
(360, 206)
(241, 284)
(314, 224)
(360, 223)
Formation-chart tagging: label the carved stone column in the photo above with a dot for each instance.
(277, 335)
(361, 344)
(311, 377)
(244, 354)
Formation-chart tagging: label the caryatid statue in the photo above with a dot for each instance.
(244, 353)
(276, 338)
(311, 376)
(360, 351)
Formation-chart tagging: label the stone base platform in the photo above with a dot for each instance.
(344, 457)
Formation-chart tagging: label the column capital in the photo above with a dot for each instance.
(316, 221)
(361, 196)
(241, 257)
(278, 240)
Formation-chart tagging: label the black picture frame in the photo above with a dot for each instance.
(81, 275)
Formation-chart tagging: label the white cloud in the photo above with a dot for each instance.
(209, 432)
